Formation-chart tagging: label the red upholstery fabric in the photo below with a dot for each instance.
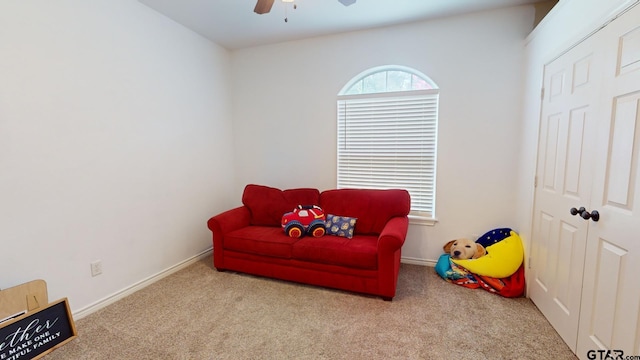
(373, 208)
(359, 252)
(267, 204)
(224, 223)
(302, 196)
(337, 277)
(260, 240)
(368, 263)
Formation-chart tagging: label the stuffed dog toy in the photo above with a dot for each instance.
(464, 249)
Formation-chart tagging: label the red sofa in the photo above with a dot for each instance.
(249, 238)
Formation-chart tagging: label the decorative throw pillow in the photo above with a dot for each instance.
(340, 225)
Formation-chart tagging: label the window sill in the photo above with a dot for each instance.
(422, 220)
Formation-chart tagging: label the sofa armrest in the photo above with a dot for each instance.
(390, 244)
(230, 220)
(222, 224)
(393, 234)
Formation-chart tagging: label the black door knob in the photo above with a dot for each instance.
(575, 211)
(594, 215)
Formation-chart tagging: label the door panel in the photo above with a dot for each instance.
(585, 272)
(568, 247)
(608, 266)
(629, 59)
(567, 131)
(551, 152)
(621, 172)
(545, 223)
(577, 120)
(611, 291)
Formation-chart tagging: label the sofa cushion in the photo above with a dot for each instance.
(267, 204)
(260, 240)
(372, 208)
(359, 252)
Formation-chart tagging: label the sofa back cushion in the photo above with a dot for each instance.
(372, 208)
(267, 204)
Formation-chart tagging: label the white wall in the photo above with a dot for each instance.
(115, 144)
(284, 109)
(567, 23)
(116, 140)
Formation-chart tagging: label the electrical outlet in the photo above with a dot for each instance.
(96, 268)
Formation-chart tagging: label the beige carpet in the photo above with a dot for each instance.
(199, 313)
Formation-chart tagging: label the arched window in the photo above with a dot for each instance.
(387, 134)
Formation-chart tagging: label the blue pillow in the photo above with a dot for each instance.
(340, 225)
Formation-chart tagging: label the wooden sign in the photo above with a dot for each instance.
(23, 298)
(37, 333)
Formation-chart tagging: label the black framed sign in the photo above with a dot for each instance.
(38, 332)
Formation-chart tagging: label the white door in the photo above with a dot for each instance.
(563, 181)
(610, 318)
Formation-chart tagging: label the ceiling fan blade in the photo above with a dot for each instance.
(263, 6)
(347, 2)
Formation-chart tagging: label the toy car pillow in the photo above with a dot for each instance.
(304, 219)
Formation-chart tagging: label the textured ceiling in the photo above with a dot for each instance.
(233, 24)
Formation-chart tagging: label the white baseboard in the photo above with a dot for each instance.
(416, 261)
(79, 314)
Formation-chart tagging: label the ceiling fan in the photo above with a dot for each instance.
(264, 6)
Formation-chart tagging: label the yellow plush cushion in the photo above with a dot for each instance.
(502, 259)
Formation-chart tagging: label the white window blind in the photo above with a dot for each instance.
(389, 141)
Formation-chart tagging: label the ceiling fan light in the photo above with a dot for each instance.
(347, 2)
